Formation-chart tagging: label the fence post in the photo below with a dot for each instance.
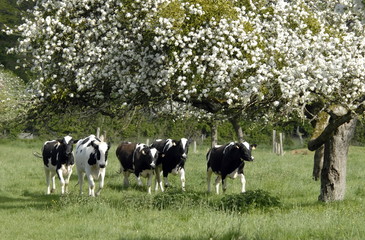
(281, 152)
(98, 132)
(274, 141)
(277, 145)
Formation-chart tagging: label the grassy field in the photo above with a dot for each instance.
(119, 213)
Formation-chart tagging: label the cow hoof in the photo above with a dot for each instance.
(53, 190)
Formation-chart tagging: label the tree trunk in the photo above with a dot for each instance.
(318, 163)
(237, 128)
(214, 133)
(333, 176)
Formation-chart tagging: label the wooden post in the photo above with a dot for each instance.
(98, 132)
(274, 141)
(281, 152)
(147, 141)
(194, 146)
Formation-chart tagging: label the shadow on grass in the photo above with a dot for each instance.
(27, 200)
(230, 235)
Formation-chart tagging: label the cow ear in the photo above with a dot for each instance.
(143, 152)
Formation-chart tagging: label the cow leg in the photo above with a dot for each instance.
(165, 179)
(139, 181)
(126, 179)
(67, 180)
(209, 176)
(217, 182)
(182, 178)
(166, 182)
(158, 179)
(60, 176)
(48, 180)
(243, 182)
(53, 179)
(101, 181)
(224, 184)
(91, 184)
(80, 176)
(149, 182)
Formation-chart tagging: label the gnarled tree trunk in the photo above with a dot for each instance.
(334, 130)
(333, 176)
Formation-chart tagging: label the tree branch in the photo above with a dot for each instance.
(329, 130)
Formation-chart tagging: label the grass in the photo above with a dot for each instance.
(119, 213)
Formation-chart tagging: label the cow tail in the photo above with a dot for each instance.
(37, 154)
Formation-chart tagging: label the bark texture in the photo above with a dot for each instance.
(237, 128)
(318, 163)
(333, 176)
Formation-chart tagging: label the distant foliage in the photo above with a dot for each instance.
(359, 137)
(13, 102)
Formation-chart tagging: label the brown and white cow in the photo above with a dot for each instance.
(139, 159)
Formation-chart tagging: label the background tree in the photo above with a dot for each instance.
(230, 58)
(14, 101)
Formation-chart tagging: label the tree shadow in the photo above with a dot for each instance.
(232, 234)
(27, 200)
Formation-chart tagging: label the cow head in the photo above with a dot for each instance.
(245, 151)
(180, 151)
(149, 155)
(183, 146)
(100, 154)
(66, 144)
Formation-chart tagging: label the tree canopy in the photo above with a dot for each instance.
(220, 56)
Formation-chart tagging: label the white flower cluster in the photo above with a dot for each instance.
(129, 51)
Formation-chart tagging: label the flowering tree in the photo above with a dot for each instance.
(227, 58)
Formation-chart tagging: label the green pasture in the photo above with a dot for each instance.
(119, 213)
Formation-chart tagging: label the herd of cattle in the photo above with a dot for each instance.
(160, 158)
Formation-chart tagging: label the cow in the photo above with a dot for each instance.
(228, 161)
(171, 159)
(91, 159)
(139, 159)
(58, 158)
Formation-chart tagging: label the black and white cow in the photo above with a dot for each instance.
(171, 159)
(58, 159)
(139, 159)
(228, 161)
(91, 159)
